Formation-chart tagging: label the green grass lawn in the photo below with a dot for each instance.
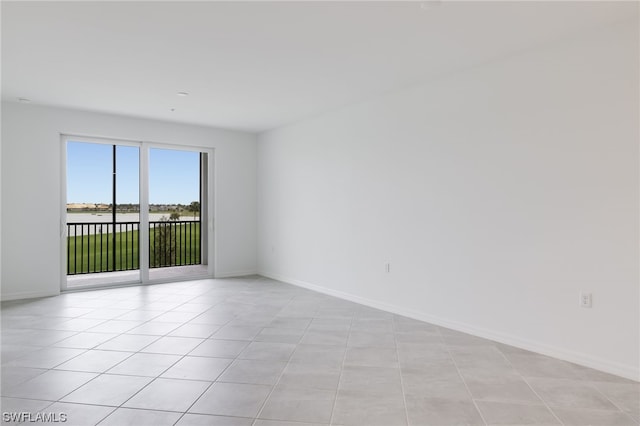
(175, 245)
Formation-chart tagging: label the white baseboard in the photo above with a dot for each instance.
(626, 371)
(27, 295)
(235, 274)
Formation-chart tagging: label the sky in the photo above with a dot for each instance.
(173, 174)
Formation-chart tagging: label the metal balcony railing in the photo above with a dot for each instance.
(174, 243)
(109, 247)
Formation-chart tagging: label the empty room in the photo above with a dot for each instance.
(310, 213)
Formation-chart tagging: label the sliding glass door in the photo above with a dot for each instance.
(102, 214)
(134, 212)
(175, 213)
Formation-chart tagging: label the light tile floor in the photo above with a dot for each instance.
(253, 351)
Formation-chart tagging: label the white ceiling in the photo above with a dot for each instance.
(259, 65)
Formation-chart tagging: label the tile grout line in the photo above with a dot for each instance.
(185, 412)
(531, 387)
(404, 396)
(455, 364)
(344, 357)
(264, 403)
(59, 400)
(595, 386)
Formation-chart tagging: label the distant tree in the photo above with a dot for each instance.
(194, 207)
(174, 216)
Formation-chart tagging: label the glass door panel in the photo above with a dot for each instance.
(102, 214)
(176, 244)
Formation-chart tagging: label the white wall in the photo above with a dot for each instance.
(497, 194)
(31, 152)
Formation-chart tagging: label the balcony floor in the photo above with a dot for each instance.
(122, 277)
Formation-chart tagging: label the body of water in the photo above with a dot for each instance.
(120, 217)
(105, 218)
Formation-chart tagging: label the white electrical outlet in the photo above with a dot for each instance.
(387, 267)
(585, 300)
